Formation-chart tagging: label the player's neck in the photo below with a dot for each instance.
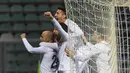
(62, 20)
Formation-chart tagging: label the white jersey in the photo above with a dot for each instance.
(75, 34)
(101, 50)
(46, 63)
(66, 63)
(73, 28)
(82, 56)
(64, 60)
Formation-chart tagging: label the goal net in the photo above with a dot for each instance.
(95, 15)
(123, 35)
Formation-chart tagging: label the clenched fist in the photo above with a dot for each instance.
(48, 14)
(23, 35)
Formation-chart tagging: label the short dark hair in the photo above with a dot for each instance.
(51, 30)
(63, 9)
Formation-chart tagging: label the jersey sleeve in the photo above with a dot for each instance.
(82, 54)
(31, 49)
(85, 52)
(60, 29)
(94, 49)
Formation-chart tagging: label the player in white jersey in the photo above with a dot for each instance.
(73, 28)
(74, 32)
(101, 49)
(64, 60)
(49, 54)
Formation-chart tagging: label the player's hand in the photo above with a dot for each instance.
(69, 52)
(84, 38)
(23, 35)
(48, 14)
(95, 35)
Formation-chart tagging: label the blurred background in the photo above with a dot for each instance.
(16, 17)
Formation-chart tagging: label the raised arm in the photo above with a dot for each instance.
(60, 29)
(31, 49)
(57, 25)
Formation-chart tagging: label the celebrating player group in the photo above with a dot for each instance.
(61, 56)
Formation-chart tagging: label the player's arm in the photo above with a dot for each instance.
(31, 49)
(57, 25)
(94, 49)
(84, 53)
(81, 55)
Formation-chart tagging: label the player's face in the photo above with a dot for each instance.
(43, 37)
(60, 15)
(97, 38)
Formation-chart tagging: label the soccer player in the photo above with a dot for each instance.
(73, 28)
(74, 33)
(101, 49)
(48, 58)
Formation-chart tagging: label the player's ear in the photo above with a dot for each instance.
(64, 16)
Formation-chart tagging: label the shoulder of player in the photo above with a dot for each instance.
(69, 21)
(47, 48)
(103, 46)
(46, 45)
